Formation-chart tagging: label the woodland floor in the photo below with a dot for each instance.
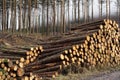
(103, 74)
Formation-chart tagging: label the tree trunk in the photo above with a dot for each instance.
(75, 10)
(85, 10)
(54, 17)
(24, 16)
(61, 16)
(47, 17)
(4, 16)
(29, 15)
(92, 9)
(14, 24)
(11, 20)
(79, 10)
(107, 9)
(20, 16)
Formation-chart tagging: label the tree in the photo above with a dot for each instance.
(14, 20)
(20, 16)
(78, 10)
(29, 15)
(4, 16)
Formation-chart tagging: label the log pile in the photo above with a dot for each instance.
(88, 45)
(14, 59)
(101, 49)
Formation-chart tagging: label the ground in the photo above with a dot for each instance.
(114, 75)
(103, 74)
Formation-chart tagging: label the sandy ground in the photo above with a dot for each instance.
(113, 75)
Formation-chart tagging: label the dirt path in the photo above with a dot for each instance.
(112, 75)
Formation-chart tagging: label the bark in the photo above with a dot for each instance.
(79, 11)
(20, 16)
(92, 9)
(29, 16)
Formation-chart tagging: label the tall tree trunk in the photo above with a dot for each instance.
(47, 17)
(14, 22)
(75, 10)
(107, 9)
(7, 25)
(78, 10)
(20, 16)
(29, 15)
(4, 16)
(54, 17)
(64, 23)
(92, 9)
(43, 29)
(118, 10)
(11, 18)
(24, 16)
(36, 16)
(101, 8)
(68, 15)
(85, 10)
(61, 16)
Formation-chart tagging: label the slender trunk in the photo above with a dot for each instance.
(24, 17)
(78, 10)
(43, 18)
(92, 9)
(11, 18)
(29, 15)
(14, 22)
(7, 25)
(64, 27)
(107, 9)
(101, 8)
(36, 16)
(61, 16)
(83, 14)
(4, 16)
(68, 14)
(75, 10)
(20, 16)
(47, 17)
(118, 10)
(85, 10)
(54, 16)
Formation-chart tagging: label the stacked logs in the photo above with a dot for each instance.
(100, 49)
(8, 70)
(89, 51)
(88, 45)
(49, 63)
(14, 59)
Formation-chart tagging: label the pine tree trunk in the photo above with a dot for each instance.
(92, 9)
(4, 16)
(24, 16)
(78, 10)
(14, 24)
(29, 15)
(20, 16)
(47, 17)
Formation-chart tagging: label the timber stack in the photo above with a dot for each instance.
(88, 45)
(14, 59)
